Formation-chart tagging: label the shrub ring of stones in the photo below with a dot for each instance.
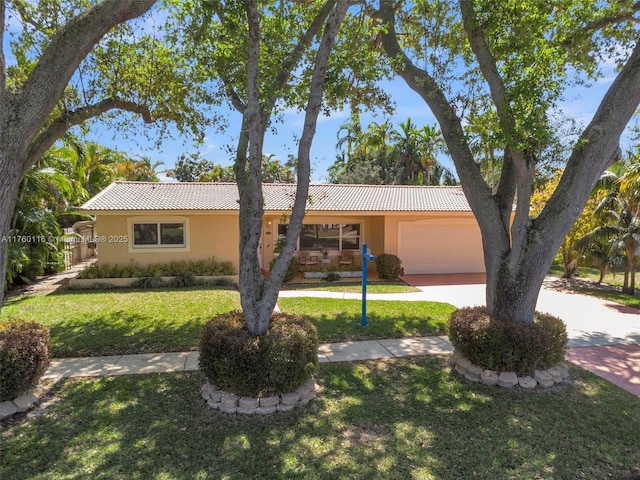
(539, 378)
(23, 403)
(228, 402)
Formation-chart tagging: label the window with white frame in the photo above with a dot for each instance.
(326, 236)
(158, 234)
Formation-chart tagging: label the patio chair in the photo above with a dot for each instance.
(346, 258)
(307, 260)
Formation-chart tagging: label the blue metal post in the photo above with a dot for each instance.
(365, 257)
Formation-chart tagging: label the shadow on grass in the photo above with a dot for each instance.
(387, 419)
(345, 326)
(118, 332)
(110, 323)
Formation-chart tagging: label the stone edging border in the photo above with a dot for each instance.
(228, 402)
(19, 405)
(540, 378)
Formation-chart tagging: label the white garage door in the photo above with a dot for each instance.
(440, 246)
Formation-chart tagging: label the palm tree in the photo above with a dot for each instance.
(35, 249)
(407, 151)
(351, 138)
(620, 208)
(138, 169)
(90, 164)
(417, 152)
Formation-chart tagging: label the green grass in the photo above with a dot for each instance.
(125, 321)
(395, 419)
(164, 320)
(613, 295)
(339, 320)
(590, 274)
(356, 287)
(585, 282)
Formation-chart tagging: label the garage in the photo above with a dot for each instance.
(444, 245)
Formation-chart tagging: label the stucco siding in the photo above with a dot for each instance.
(206, 236)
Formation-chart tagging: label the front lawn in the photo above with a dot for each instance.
(584, 281)
(339, 320)
(394, 419)
(165, 320)
(123, 321)
(610, 289)
(612, 295)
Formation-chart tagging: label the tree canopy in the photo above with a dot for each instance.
(381, 154)
(511, 63)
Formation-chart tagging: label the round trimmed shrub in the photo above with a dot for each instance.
(508, 346)
(292, 269)
(24, 357)
(388, 266)
(277, 362)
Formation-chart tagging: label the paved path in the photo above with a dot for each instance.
(188, 361)
(52, 283)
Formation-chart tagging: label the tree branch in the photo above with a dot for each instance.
(26, 17)
(3, 70)
(517, 171)
(44, 87)
(45, 139)
(614, 19)
(597, 148)
(294, 57)
(316, 93)
(476, 189)
(235, 99)
(487, 65)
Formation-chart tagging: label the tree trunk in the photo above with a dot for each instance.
(257, 295)
(24, 113)
(518, 251)
(629, 286)
(513, 288)
(9, 186)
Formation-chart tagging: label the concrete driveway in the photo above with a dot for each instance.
(590, 321)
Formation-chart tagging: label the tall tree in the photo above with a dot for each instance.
(189, 167)
(31, 117)
(515, 59)
(257, 295)
(381, 154)
(619, 210)
(264, 58)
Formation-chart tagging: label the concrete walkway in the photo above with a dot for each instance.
(590, 321)
(188, 361)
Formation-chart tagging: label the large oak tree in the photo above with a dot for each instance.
(66, 62)
(264, 58)
(511, 61)
(31, 119)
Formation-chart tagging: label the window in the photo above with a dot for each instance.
(158, 234)
(326, 236)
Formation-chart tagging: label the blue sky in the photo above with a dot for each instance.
(580, 104)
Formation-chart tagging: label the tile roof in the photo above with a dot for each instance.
(149, 196)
